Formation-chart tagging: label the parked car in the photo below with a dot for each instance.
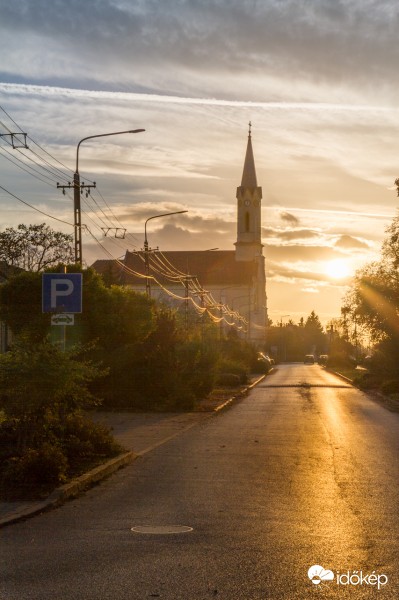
(309, 359)
(323, 358)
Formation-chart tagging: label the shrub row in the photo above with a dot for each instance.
(68, 450)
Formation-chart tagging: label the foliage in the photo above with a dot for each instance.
(43, 437)
(228, 380)
(112, 316)
(82, 440)
(33, 472)
(35, 247)
(20, 306)
(165, 371)
(373, 301)
(67, 448)
(390, 387)
(39, 382)
(232, 366)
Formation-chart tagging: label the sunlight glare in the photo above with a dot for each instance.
(337, 269)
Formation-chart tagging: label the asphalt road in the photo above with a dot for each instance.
(302, 472)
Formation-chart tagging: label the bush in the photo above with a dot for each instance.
(367, 381)
(235, 367)
(341, 359)
(390, 387)
(228, 380)
(34, 473)
(85, 442)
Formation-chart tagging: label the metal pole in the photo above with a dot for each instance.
(77, 189)
(147, 249)
(77, 223)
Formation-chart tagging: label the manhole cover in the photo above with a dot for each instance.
(161, 529)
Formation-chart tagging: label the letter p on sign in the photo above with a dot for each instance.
(62, 292)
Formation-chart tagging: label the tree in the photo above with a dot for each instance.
(373, 301)
(35, 247)
(313, 331)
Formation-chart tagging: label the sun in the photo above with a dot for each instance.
(337, 269)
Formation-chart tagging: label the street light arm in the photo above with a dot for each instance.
(178, 212)
(90, 137)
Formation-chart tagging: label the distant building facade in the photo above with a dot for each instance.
(232, 277)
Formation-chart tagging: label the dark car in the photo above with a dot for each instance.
(309, 359)
(323, 359)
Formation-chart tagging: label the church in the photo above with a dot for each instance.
(229, 285)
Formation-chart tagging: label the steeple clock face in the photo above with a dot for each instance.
(247, 202)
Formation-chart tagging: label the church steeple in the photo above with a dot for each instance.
(248, 179)
(249, 196)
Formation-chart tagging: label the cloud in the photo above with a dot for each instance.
(289, 218)
(290, 234)
(348, 242)
(192, 47)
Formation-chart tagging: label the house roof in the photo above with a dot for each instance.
(111, 270)
(211, 268)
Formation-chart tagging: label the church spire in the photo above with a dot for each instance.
(249, 174)
(249, 196)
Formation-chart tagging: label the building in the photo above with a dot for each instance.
(221, 283)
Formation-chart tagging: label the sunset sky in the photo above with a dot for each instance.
(318, 79)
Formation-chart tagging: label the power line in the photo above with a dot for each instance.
(34, 207)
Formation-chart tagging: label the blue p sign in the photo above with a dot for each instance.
(62, 292)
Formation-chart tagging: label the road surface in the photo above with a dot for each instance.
(302, 472)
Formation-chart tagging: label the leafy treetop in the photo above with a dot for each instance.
(35, 247)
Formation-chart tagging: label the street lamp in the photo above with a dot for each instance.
(77, 189)
(146, 249)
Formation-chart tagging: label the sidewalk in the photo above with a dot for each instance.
(138, 433)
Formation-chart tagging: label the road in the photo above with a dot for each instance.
(303, 471)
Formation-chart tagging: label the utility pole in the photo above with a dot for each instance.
(147, 268)
(147, 249)
(186, 280)
(201, 294)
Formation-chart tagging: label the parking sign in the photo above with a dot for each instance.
(62, 292)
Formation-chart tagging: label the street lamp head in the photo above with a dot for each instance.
(135, 130)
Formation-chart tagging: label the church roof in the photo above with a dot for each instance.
(249, 173)
(212, 268)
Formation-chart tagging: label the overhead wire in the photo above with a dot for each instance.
(35, 208)
(25, 168)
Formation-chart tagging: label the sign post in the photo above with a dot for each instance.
(62, 297)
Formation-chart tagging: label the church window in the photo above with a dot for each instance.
(247, 222)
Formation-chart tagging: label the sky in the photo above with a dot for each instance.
(316, 78)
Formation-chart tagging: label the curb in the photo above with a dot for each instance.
(71, 489)
(342, 377)
(242, 393)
